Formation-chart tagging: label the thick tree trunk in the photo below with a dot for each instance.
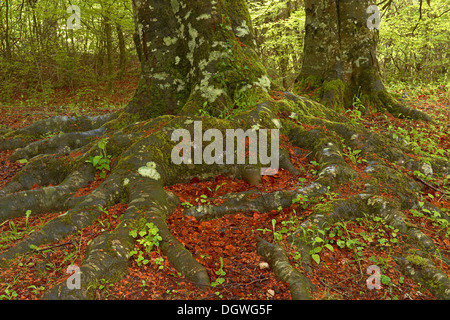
(340, 57)
(196, 55)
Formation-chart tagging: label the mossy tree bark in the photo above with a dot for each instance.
(196, 55)
(340, 57)
(199, 57)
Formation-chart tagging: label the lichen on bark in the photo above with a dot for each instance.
(340, 59)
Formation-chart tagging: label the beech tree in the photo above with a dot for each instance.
(340, 57)
(199, 64)
(196, 56)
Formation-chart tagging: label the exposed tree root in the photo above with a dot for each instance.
(65, 143)
(424, 271)
(142, 167)
(299, 285)
(47, 199)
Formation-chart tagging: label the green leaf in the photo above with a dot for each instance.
(95, 160)
(142, 233)
(132, 253)
(133, 233)
(317, 249)
(318, 239)
(329, 247)
(102, 144)
(385, 279)
(316, 258)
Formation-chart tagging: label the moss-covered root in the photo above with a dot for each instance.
(47, 199)
(63, 124)
(360, 206)
(83, 213)
(106, 258)
(245, 202)
(299, 285)
(42, 171)
(150, 198)
(423, 271)
(333, 168)
(398, 110)
(64, 143)
(242, 202)
(108, 254)
(333, 171)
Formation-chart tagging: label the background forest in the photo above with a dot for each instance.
(44, 63)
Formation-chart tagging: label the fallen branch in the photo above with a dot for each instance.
(55, 246)
(432, 187)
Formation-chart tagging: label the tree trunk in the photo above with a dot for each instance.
(122, 51)
(8, 53)
(109, 61)
(196, 55)
(340, 57)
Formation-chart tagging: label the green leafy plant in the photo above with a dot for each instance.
(9, 294)
(27, 216)
(277, 236)
(101, 162)
(355, 114)
(302, 200)
(319, 243)
(220, 273)
(148, 236)
(217, 187)
(316, 238)
(187, 204)
(36, 290)
(202, 199)
(354, 156)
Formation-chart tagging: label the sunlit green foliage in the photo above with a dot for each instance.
(280, 32)
(38, 54)
(410, 49)
(413, 49)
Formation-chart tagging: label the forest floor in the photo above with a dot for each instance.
(230, 257)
